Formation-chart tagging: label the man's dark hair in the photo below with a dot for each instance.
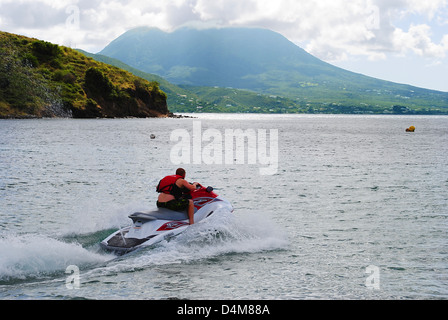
(180, 172)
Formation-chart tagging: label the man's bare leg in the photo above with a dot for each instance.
(191, 212)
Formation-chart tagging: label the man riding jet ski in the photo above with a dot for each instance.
(172, 189)
(170, 218)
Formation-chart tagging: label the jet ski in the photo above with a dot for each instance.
(151, 227)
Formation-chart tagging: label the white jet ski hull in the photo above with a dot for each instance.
(151, 227)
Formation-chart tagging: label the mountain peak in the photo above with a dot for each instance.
(259, 60)
(207, 57)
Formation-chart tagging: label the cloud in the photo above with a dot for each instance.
(333, 30)
(418, 40)
(31, 14)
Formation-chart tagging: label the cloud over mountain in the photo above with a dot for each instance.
(333, 30)
(327, 27)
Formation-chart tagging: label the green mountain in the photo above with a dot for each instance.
(209, 99)
(213, 57)
(41, 79)
(262, 62)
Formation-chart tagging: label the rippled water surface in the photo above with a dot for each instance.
(356, 210)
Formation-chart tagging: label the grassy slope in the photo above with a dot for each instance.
(38, 79)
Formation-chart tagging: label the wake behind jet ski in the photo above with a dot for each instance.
(153, 226)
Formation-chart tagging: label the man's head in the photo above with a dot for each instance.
(180, 172)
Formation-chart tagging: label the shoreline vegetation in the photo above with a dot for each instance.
(39, 79)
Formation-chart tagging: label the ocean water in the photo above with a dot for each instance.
(357, 209)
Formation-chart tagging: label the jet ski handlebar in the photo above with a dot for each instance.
(199, 186)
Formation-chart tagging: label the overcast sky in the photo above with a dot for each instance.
(405, 41)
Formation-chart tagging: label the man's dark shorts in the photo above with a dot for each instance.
(176, 205)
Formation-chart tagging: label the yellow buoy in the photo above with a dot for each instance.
(410, 129)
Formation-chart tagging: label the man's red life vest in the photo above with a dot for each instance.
(166, 184)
